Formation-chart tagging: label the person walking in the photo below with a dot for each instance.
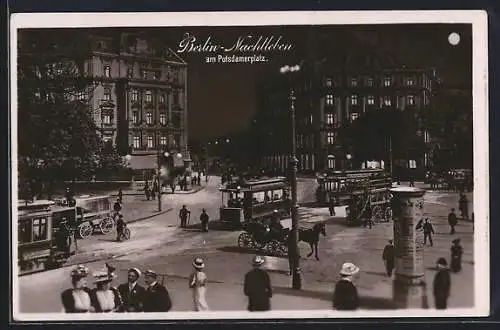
(463, 206)
(388, 257)
(198, 283)
(345, 295)
(157, 297)
(331, 206)
(120, 195)
(456, 256)
(452, 221)
(441, 284)
(146, 189)
(120, 225)
(77, 298)
(204, 220)
(428, 231)
(183, 215)
(132, 293)
(257, 287)
(368, 216)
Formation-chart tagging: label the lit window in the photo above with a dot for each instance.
(330, 138)
(410, 81)
(37, 94)
(328, 82)
(387, 81)
(134, 95)
(354, 99)
(156, 75)
(107, 94)
(149, 96)
(163, 118)
(329, 99)
(150, 142)
(81, 96)
(369, 82)
(411, 100)
(39, 229)
(354, 116)
(137, 142)
(144, 74)
(107, 71)
(331, 161)
(106, 119)
(330, 118)
(162, 98)
(149, 118)
(135, 117)
(354, 82)
(163, 140)
(310, 119)
(371, 100)
(387, 101)
(130, 72)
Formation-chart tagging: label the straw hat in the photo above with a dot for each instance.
(151, 273)
(349, 269)
(103, 276)
(258, 261)
(198, 263)
(135, 270)
(80, 271)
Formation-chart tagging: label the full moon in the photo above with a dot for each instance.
(454, 38)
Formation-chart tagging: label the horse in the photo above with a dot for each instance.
(311, 236)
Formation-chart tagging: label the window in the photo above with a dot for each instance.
(149, 96)
(144, 74)
(130, 72)
(410, 81)
(387, 81)
(134, 95)
(162, 98)
(137, 142)
(39, 229)
(329, 99)
(331, 161)
(163, 140)
(107, 94)
(149, 118)
(354, 116)
(354, 82)
(330, 119)
(369, 82)
(177, 140)
(310, 119)
(106, 119)
(156, 75)
(107, 71)
(135, 117)
(24, 231)
(371, 100)
(150, 142)
(330, 138)
(410, 100)
(163, 118)
(328, 82)
(427, 137)
(37, 94)
(80, 96)
(354, 99)
(387, 101)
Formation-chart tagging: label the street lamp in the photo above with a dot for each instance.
(293, 246)
(349, 157)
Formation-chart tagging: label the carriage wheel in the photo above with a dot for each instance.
(126, 234)
(388, 213)
(245, 240)
(377, 213)
(106, 225)
(85, 230)
(283, 250)
(272, 247)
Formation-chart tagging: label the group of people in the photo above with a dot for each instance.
(151, 191)
(185, 215)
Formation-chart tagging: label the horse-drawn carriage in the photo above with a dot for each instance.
(360, 191)
(260, 236)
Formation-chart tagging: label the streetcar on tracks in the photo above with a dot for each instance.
(45, 235)
(254, 200)
(358, 190)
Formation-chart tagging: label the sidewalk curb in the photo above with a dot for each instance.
(150, 216)
(177, 192)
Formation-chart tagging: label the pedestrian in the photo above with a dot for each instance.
(257, 287)
(388, 256)
(104, 297)
(157, 298)
(204, 220)
(442, 284)
(412, 180)
(198, 283)
(120, 195)
(368, 216)
(120, 225)
(456, 256)
(132, 293)
(184, 213)
(146, 189)
(452, 221)
(117, 207)
(428, 231)
(345, 295)
(331, 207)
(463, 206)
(77, 298)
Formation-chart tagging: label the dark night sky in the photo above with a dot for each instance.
(221, 97)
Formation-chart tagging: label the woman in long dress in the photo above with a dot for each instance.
(105, 298)
(77, 298)
(198, 283)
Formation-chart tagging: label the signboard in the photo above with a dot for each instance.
(36, 254)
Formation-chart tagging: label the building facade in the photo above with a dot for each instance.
(326, 98)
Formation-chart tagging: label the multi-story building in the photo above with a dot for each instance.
(139, 92)
(327, 96)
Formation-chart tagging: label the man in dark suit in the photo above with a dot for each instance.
(257, 287)
(157, 298)
(442, 284)
(132, 293)
(388, 257)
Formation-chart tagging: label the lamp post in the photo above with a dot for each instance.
(349, 157)
(293, 248)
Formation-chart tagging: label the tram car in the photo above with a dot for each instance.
(45, 238)
(254, 200)
(357, 189)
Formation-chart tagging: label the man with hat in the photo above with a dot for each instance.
(345, 296)
(388, 257)
(442, 284)
(204, 220)
(132, 293)
(157, 298)
(257, 287)
(120, 225)
(184, 213)
(456, 255)
(452, 221)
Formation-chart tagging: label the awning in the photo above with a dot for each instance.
(143, 162)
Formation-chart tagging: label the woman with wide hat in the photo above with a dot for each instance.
(77, 298)
(441, 284)
(345, 296)
(104, 297)
(198, 283)
(456, 255)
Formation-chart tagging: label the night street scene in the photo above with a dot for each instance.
(245, 168)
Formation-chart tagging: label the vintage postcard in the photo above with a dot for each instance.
(229, 165)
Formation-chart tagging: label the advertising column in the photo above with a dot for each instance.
(409, 283)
